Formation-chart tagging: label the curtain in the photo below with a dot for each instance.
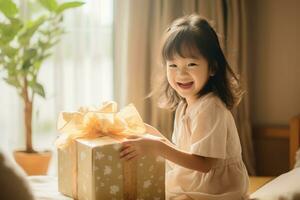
(139, 25)
(236, 52)
(79, 73)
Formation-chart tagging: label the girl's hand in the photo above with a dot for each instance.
(137, 146)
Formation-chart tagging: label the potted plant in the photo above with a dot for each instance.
(24, 45)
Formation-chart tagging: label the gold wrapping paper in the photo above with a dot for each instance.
(99, 122)
(101, 172)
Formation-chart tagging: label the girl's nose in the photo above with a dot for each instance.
(181, 71)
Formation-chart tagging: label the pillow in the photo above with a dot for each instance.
(284, 187)
(12, 180)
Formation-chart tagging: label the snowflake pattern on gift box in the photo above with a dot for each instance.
(96, 168)
(116, 147)
(82, 156)
(151, 168)
(107, 166)
(159, 159)
(147, 184)
(99, 155)
(107, 170)
(114, 189)
(84, 188)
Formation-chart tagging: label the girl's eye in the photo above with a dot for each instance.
(192, 64)
(172, 65)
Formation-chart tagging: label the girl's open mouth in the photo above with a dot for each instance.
(187, 85)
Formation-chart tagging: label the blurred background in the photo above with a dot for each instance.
(80, 72)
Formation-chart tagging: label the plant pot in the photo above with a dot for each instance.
(35, 163)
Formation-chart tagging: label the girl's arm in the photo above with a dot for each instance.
(185, 159)
(138, 146)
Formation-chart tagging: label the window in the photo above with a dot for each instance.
(79, 73)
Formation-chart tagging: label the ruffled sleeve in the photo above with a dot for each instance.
(209, 130)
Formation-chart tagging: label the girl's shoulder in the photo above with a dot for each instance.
(209, 103)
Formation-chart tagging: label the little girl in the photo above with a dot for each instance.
(204, 160)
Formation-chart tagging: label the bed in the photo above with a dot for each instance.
(283, 187)
(287, 185)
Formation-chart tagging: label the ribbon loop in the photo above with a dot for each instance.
(90, 122)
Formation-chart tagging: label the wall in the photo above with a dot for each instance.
(274, 60)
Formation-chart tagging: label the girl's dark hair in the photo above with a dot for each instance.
(190, 36)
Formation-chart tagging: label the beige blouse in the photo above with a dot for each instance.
(209, 130)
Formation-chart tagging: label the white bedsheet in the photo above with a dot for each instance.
(46, 188)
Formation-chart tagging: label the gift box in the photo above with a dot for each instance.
(89, 165)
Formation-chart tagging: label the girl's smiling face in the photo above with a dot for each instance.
(187, 76)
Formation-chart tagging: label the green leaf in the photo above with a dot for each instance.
(38, 88)
(12, 68)
(44, 45)
(9, 51)
(29, 54)
(12, 80)
(28, 57)
(30, 29)
(26, 65)
(8, 8)
(46, 56)
(16, 23)
(62, 7)
(6, 33)
(58, 31)
(9, 30)
(51, 5)
(37, 64)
